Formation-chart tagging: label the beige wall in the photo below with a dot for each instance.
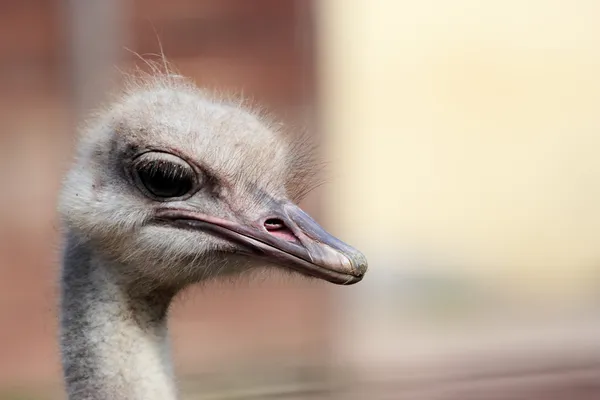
(468, 129)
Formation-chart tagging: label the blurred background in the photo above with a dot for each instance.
(461, 142)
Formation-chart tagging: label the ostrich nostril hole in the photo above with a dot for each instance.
(274, 224)
(279, 229)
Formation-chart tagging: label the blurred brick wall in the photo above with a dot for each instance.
(261, 46)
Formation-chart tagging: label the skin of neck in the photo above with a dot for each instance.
(114, 339)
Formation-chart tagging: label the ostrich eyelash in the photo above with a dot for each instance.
(165, 169)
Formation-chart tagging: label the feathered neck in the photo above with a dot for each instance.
(114, 344)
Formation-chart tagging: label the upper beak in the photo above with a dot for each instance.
(288, 236)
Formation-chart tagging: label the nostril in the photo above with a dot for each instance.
(274, 224)
(278, 228)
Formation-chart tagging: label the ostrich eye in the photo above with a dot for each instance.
(165, 177)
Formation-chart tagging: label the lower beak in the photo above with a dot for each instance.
(289, 237)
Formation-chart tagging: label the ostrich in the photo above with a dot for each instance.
(172, 186)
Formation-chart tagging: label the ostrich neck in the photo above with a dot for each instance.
(114, 344)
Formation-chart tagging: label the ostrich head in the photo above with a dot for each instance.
(176, 186)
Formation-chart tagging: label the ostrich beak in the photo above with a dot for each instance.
(288, 236)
